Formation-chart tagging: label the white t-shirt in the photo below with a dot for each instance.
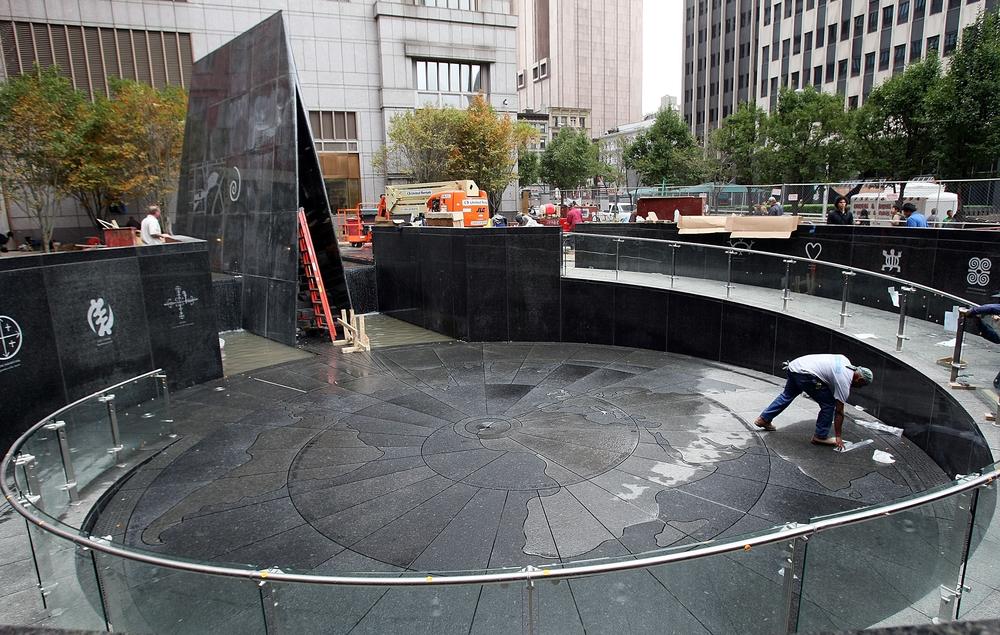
(151, 228)
(832, 370)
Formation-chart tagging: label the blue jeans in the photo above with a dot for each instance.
(795, 385)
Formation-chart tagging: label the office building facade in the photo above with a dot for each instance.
(580, 61)
(737, 52)
(359, 62)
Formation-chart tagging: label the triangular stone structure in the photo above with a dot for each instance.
(249, 163)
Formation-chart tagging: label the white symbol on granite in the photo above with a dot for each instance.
(892, 260)
(180, 300)
(10, 337)
(235, 185)
(813, 250)
(979, 271)
(741, 244)
(100, 317)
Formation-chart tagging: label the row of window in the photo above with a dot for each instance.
(449, 77)
(538, 72)
(334, 130)
(467, 5)
(87, 56)
(873, 13)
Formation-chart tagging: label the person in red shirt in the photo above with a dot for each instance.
(573, 217)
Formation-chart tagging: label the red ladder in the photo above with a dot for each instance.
(317, 292)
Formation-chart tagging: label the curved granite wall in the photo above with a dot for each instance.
(500, 285)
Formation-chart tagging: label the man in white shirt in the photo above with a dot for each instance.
(150, 228)
(828, 380)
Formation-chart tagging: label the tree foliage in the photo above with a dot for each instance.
(739, 143)
(529, 168)
(965, 106)
(444, 144)
(666, 152)
(39, 127)
(893, 131)
(571, 159)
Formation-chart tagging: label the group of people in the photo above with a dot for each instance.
(771, 208)
(903, 214)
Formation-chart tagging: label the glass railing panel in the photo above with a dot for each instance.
(305, 608)
(145, 598)
(69, 585)
(142, 414)
(887, 571)
(981, 593)
(738, 592)
(88, 432)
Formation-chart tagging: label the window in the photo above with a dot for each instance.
(859, 25)
(936, 6)
(855, 66)
(869, 63)
(818, 75)
(808, 41)
(832, 33)
(572, 121)
(785, 46)
(819, 37)
(950, 41)
(852, 103)
(715, 60)
(873, 17)
(465, 5)
(87, 56)
(798, 46)
(774, 52)
(932, 43)
(690, 13)
(795, 80)
(774, 86)
(788, 8)
(887, 17)
(767, 14)
(883, 59)
(763, 87)
(842, 69)
(798, 6)
(777, 11)
(767, 49)
(334, 130)
(701, 63)
(899, 57)
(918, 6)
(845, 29)
(915, 47)
(534, 74)
(520, 80)
(583, 122)
(829, 72)
(701, 92)
(689, 40)
(543, 70)
(450, 83)
(701, 118)
(712, 112)
(904, 12)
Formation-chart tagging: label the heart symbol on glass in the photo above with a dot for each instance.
(811, 248)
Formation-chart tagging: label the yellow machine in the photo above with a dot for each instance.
(462, 201)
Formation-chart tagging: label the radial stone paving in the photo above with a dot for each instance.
(454, 456)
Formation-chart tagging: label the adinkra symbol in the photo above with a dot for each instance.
(979, 271)
(892, 260)
(10, 338)
(100, 317)
(179, 301)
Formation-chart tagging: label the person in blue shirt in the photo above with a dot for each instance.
(913, 217)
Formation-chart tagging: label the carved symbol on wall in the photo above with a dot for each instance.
(235, 184)
(215, 187)
(979, 271)
(179, 301)
(813, 250)
(10, 337)
(741, 244)
(100, 317)
(892, 260)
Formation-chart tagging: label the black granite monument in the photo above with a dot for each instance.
(249, 163)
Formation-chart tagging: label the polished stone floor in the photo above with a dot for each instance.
(467, 457)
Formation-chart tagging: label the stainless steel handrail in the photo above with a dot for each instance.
(786, 532)
(772, 254)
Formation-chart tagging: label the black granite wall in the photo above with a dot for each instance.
(505, 285)
(965, 263)
(228, 294)
(248, 164)
(152, 307)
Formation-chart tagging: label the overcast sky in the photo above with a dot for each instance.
(662, 51)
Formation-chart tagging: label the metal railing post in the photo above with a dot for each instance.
(30, 489)
(618, 248)
(268, 602)
(673, 263)
(59, 427)
(161, 379)
(952, 612)
(904, 296)
(843, 297)
(956, 356)
(792, 570)
(529, 624)
(729, 271)
(116, 442)
(786, 292)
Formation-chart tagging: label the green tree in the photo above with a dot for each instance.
(529, 168)
(39, 117)
(666, 152)
(966, 104)
(738, 144)
(807, 139)
(893, 131)
(486, 148)
(421, 144)
(570, 160)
